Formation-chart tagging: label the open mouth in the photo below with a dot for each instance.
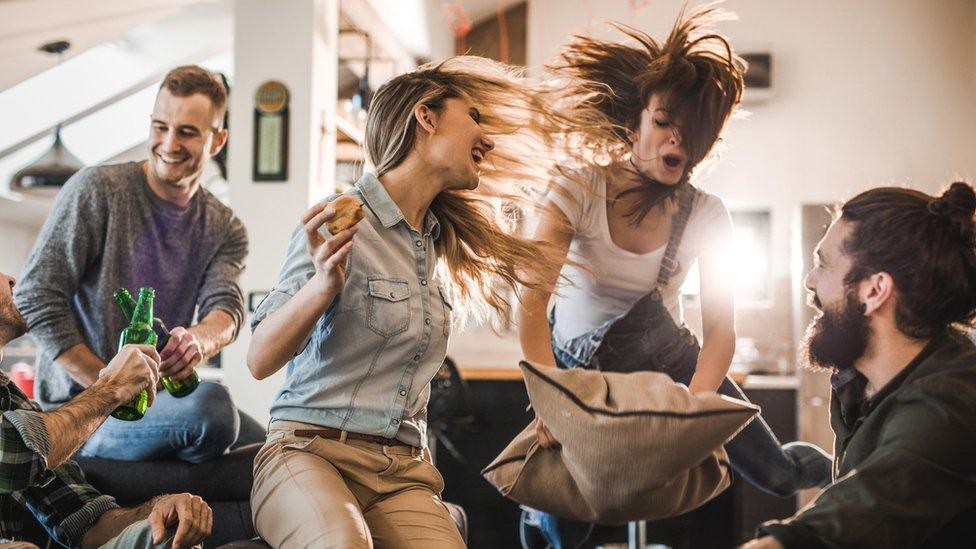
(672, 160)
(477, 155)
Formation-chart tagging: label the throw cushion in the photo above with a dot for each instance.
(633, 446)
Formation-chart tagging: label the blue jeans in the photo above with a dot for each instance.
(138, 535)
(195, 428)
(647, 338)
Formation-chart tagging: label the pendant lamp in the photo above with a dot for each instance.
(48, 173)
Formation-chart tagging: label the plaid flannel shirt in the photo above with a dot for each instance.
(61, 499)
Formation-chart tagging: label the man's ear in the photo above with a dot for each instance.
(876, 291)
(219, 140)
(426, 118)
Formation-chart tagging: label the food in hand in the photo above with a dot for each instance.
(342, 213)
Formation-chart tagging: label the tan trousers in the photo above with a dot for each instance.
(319, 493)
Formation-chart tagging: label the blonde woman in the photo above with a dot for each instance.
(362, 318)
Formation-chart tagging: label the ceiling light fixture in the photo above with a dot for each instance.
(48, 173)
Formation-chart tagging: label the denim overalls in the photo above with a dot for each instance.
(646, 337)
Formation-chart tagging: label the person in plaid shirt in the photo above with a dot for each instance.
(36, 473)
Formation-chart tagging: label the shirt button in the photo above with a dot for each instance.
(416, 358)
(427, 321)
(395, 421)
(403, 393)
(423, 281)
(419, 243)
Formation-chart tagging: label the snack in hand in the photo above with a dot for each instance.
(342, 213)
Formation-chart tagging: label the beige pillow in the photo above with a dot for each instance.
(634, 446)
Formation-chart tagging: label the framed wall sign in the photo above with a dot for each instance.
(271, 132)
(255, 298)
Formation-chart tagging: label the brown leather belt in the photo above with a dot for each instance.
(336, 434)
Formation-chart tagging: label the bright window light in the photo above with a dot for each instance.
(748, 262)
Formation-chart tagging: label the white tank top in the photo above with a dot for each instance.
(617, 278)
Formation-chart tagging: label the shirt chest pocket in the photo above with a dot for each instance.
(388, 306)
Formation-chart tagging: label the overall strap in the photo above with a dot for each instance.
(678, 224)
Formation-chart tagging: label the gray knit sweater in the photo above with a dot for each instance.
(109, 230)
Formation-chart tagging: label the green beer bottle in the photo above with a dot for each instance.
(139, 331)
(178, 389)
(126, 303)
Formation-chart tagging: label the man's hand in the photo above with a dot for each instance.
(134, 368)
(190, 513)
(181, 354)
(546, 440)
(766, 542)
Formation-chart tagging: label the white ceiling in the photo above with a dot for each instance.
(27, 24)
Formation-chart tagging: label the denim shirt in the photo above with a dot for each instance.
(367, 365)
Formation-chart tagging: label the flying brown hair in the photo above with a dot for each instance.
(695, 71)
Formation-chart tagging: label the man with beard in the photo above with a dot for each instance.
(895, 282)
(35, 471)
(139, 224)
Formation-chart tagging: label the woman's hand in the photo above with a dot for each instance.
(546, 440)
(328, 254)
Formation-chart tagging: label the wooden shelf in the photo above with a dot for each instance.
(349, 152)
(500, 373)
(347, 130)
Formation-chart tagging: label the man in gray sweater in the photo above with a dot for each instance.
(144, 224)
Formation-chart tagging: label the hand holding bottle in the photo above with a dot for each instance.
(133, 369)
(181, 354)
(177, 369)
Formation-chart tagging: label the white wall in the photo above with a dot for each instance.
(16, 241)
(293, 42)
(21, 218)
(868, 93)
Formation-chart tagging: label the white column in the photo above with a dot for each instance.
(293, 42)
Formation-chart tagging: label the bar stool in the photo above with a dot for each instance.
(637, 534)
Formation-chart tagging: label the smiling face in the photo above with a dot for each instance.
(183, 135)
(839, 335)
(830, 265)
(457, 146)
(658, 152)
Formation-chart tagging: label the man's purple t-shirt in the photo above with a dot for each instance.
(109, 230)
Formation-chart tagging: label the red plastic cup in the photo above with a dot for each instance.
(22, 374)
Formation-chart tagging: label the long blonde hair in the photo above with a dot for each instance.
(479, 254)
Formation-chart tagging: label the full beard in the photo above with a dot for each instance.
(837, 338)
(12, 324)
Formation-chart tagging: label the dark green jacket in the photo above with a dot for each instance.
(904, 460)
